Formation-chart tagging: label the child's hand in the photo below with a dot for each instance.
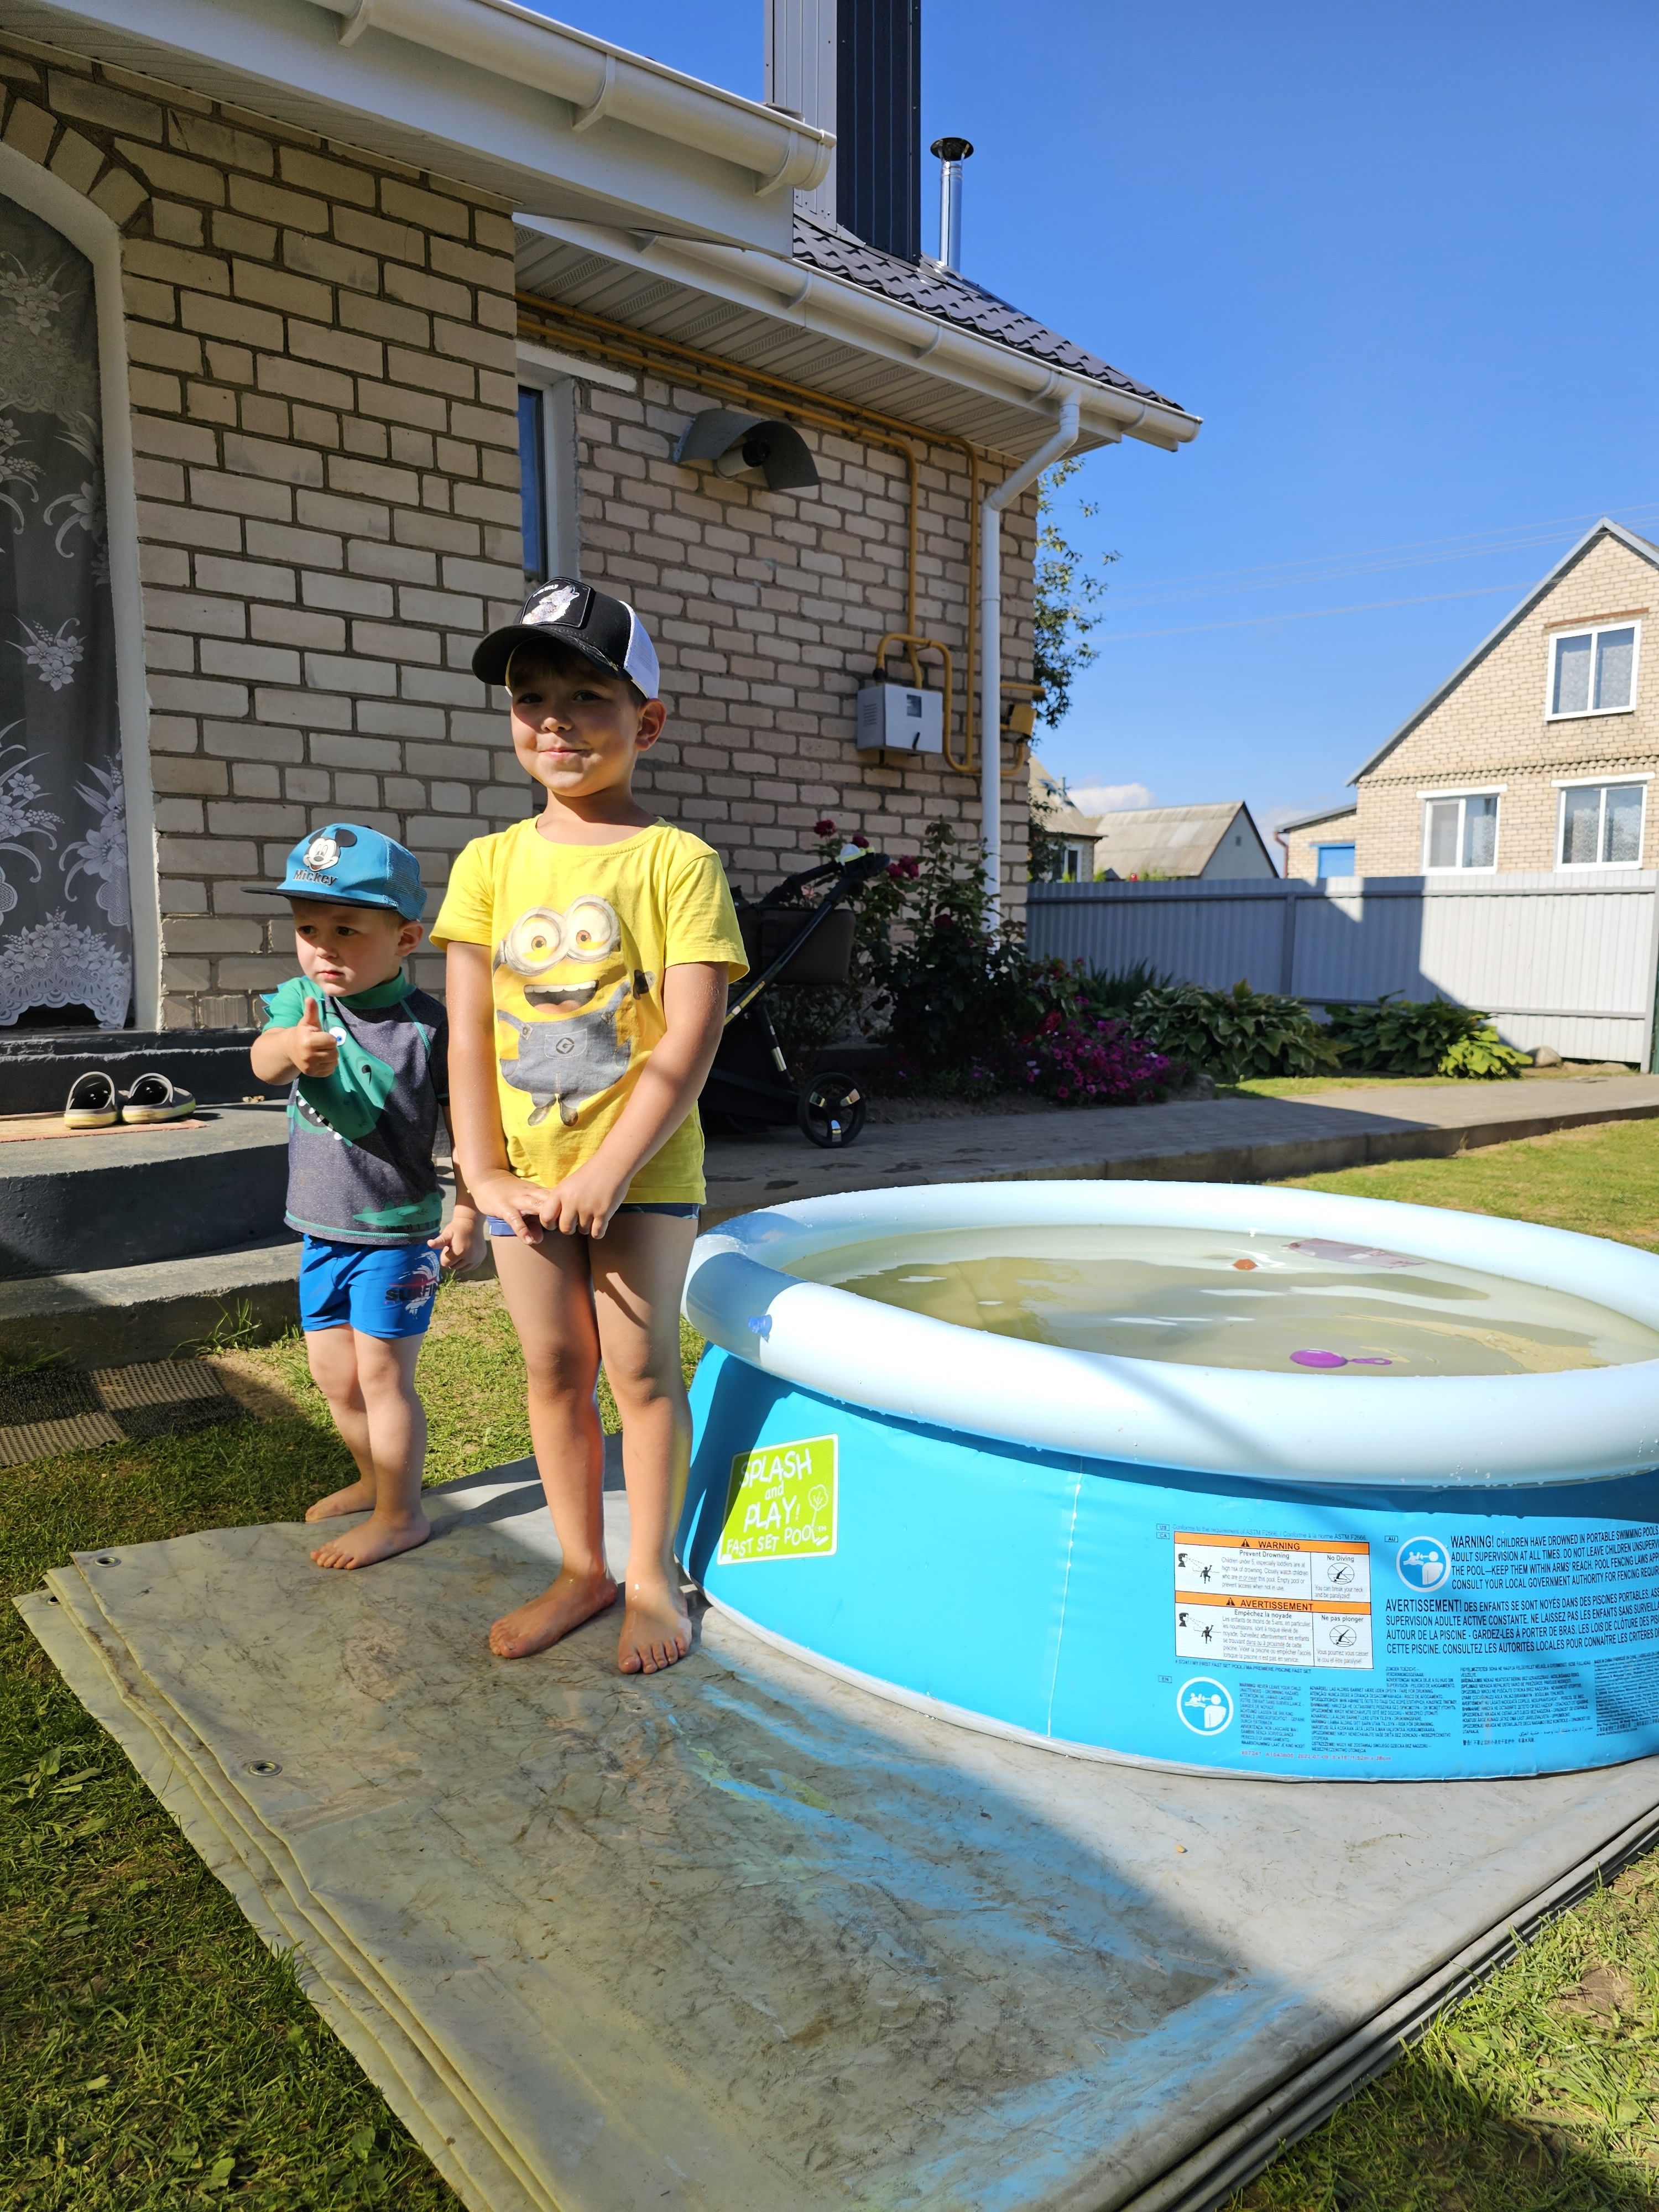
(520, 1204)
(584, 1204)
(311, 1048)
(460, 1243)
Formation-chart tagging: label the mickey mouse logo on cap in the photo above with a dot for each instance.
(324, 851)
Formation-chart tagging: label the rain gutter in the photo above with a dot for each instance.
(601, 82)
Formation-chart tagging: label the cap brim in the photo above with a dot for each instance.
(489, 661)
(327, 898)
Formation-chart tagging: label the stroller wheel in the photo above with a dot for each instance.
(831, 1110)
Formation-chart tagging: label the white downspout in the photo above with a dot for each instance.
(990, 620)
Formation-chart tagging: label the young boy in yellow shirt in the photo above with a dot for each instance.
(589, 950)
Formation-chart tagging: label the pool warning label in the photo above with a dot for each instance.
(781, 1503)
(1272, 1600)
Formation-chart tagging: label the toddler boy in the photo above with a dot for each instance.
(368, 1056)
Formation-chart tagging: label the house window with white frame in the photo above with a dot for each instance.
(1593, 670)
(1602, 825)
(1460, 829)
(547, 472)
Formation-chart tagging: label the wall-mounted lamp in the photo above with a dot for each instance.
(750, 445)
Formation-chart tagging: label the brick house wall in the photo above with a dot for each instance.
(1491, 729)
(322, 350)
(1302, 846)
(766, 608)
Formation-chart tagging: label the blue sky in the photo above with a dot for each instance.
(1398, 257)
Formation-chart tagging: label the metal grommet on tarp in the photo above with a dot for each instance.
(262, 1766)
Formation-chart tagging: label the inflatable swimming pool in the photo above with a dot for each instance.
(1224, 1479)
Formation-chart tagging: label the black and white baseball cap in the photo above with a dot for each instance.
(604, 630)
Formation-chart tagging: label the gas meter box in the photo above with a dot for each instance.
(893, 718)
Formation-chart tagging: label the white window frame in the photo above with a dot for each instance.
(1604, 782)
(1463, 791)
(551, 374)
(1592, 630)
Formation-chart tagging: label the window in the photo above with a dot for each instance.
(1460, 831)
(547, 473)
(532, 481)
(1602, 825)
(1593, 671)
(1334, 859)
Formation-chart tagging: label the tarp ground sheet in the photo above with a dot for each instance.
(742, 1936)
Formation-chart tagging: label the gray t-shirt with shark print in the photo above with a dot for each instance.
(359, 1142)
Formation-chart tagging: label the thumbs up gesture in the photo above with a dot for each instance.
(314, 1051)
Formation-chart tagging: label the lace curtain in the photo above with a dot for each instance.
(65, 921)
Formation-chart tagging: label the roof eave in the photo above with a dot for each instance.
(790, 291)
(1312, 821)
(485, 91)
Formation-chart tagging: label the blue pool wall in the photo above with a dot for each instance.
(1035, 1591)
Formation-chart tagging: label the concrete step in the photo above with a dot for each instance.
(121, 1198)
(114, 1316)
(37, 1067)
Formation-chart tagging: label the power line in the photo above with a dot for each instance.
(1423, 552)
(1307, 614)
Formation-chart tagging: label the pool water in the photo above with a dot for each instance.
(1209, 1299)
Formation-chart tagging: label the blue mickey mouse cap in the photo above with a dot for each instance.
(349, 865)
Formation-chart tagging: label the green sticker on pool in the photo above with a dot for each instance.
(781, 1503)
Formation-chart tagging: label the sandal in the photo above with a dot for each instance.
(91, 1103)
(155, 1098)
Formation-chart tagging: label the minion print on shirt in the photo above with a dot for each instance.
(579, 936)
(576, 1050)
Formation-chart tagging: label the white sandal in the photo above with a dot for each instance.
(155, 1098)
(91, 1104)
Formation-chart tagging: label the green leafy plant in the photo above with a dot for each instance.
(1422, 1036)
(1237, 1034)
(1067, 598)
(1117, 992)
(1485, 1056)
(1045, 849)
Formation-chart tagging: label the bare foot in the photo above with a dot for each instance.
(356, 1498)
(377, 1539)
(573, 1599)
(656, 1629)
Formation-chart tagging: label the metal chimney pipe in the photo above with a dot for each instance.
(952, 153)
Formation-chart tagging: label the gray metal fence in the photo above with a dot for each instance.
(1568, 961)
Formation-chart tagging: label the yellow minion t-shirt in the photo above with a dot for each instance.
(579, 937)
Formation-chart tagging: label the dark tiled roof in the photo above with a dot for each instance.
(936, 290)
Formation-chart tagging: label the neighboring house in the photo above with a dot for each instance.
(1071, 836)
(1538, 754)
(324, 323)
(1320, 844)
(1207, 842)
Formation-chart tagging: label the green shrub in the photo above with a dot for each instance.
(1115, 994)
(963, 1008)
(1234, 1035)
(1422, 1036)
(1485, 1056)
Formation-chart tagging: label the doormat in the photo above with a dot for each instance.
(51, 1409)
(743, 1938)
(29, 1128)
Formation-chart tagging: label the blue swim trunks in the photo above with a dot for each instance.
(380, 1290)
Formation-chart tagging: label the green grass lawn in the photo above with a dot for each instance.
(1308, 1086)
(153, 2055)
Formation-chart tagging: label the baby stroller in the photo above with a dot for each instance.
(749, 1087)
